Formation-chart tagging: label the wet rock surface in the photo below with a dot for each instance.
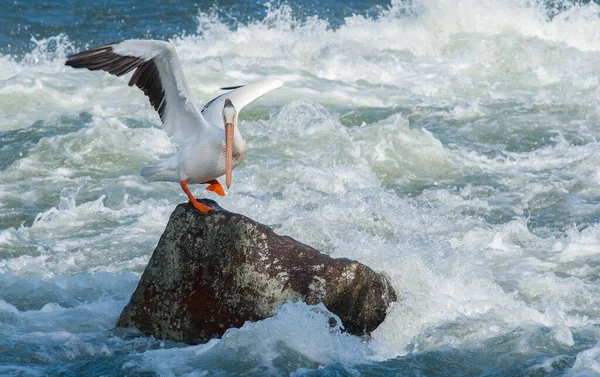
(216, 271)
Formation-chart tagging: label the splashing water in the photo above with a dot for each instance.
(451, 145)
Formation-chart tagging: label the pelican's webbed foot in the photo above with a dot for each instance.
(215, 187)
(199, 206)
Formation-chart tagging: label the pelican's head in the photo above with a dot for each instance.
(229, 112)
(229, 120)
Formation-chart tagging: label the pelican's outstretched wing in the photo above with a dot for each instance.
(157, 72)
(240, 96)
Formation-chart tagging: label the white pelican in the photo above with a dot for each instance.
(212, 143)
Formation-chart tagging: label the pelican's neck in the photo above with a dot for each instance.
(240, 149)
(238, 140)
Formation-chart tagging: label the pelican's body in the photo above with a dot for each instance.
(201, 161)
(212, 143)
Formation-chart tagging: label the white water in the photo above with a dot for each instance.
(454, 149)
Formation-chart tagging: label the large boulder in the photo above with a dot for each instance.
(216, 271)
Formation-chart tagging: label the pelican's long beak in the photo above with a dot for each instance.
(228, 152)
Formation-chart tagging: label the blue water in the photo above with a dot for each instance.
(452, 145)
(90, 23)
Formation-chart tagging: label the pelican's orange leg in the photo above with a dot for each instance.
(199, 206)
(216, 187)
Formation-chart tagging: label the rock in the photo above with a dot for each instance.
(216, 271)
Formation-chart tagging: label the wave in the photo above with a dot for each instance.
(429, 50)
(420, 27)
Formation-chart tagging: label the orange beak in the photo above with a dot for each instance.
(228, 153)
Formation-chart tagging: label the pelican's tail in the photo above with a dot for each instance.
(159, 173)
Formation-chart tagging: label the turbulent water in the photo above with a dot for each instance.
(450, 144)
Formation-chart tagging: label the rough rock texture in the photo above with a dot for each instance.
(216, 271)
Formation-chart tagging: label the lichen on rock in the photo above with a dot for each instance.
(216, 271)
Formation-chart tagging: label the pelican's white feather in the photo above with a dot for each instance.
(240, 98)
(157, 72)
(182, 118)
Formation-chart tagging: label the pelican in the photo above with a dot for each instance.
(211, 141)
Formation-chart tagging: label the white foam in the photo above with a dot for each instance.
(7, 308)
(79, 237)
(299, 332)
(586, 364)
(581, 246)
(402, 154)
(464, 80)
(446, 35)
(33, 88)
(469, 111)
(564, 336)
